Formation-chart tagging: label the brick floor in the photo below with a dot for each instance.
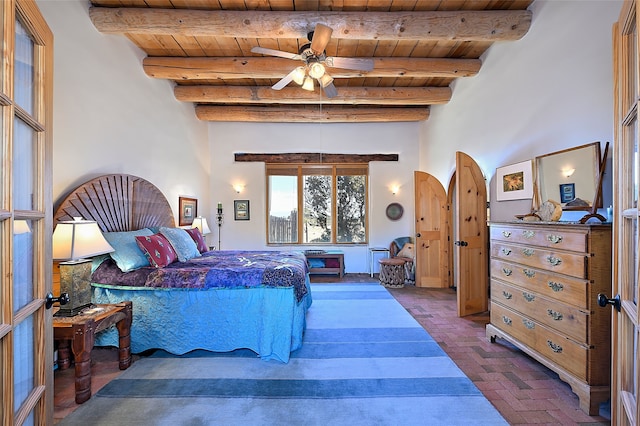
(524, 391)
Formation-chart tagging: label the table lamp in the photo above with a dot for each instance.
(201, 223)
(75, 241)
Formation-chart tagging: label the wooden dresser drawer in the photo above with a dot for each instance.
(566, 353)
(574, 240)
(562, 318)
(567, 263)
(563, 288)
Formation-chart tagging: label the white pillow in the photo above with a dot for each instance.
(408, 250)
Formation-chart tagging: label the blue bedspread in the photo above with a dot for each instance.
(222, 301)
(216, 269)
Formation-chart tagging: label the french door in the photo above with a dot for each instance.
(26, 354)
(625, 409)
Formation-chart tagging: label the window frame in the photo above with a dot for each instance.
(302, 169)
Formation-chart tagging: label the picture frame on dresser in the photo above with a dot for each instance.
(188, 210)
(515, 182)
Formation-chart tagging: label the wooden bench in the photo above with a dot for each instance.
(330, 254)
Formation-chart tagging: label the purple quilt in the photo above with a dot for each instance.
(215, 269)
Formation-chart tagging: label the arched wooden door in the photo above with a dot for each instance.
(470, 241)
(432, 238)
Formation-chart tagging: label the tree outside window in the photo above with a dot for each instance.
(331, 199)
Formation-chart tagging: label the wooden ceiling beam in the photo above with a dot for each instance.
(292, 114)
(411, 96)
(203, 68)
(495, 25)
(312, 157)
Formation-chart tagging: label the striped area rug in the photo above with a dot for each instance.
(364, 361)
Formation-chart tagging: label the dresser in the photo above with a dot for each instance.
(545, 279)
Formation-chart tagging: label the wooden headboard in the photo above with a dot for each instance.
(117, 202)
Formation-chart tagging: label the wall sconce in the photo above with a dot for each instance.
(568, 172)
(395, 189)
(75, 241)
(238, 187)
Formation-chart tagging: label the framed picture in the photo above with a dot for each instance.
(567, 192)
(188, 210)
(241, 209)
(515, 182)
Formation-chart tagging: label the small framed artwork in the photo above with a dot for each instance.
(188, 210)
(567, 192)
(241, 209)
(515, 182)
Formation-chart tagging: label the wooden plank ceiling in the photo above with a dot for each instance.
(418, 49)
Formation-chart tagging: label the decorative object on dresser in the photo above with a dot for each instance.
(545, 281)
(75, 241)
(514, 182)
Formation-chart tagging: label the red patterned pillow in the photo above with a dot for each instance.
(198, 238)
(157, 249)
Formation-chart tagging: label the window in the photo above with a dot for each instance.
(317, 204)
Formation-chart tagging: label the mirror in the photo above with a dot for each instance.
(570, 177)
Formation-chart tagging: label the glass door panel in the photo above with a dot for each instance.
(24, 69)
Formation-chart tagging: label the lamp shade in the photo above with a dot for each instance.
(78, 239)
(201, 223)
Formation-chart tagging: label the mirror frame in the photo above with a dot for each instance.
(597, 165)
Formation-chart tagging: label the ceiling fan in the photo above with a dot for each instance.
(315, 62)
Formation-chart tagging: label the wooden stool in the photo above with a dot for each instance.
(392, 272)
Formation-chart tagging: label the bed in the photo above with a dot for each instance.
(218, 301)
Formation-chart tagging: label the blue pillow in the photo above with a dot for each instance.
(182, 243)
(316, 263)
(401, 241)
(127, 254)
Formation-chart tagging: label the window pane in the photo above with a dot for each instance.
(24, 154)
(22, 263)
(317, 209)
(351, 209)
(23, 359)
(283, 209)
(24, 70)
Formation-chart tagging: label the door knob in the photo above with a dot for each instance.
(50, 300)
(461, 243)
(418, 235)
(604, 301)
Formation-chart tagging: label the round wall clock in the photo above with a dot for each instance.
(394, 211)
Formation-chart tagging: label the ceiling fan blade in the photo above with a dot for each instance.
(321, 37)
(330, 91)
(284, 81)
(278, 53)
(358, 64)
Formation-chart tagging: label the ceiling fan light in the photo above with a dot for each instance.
(325, 80)
(298, 75)
(308, 84)
(316, 70)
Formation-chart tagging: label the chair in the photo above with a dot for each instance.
(397, 271)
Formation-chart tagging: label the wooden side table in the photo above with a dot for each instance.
(78, 333)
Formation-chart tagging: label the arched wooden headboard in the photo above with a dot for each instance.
(117, 202)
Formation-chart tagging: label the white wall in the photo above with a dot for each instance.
(550, 90)
(109, 117)
(226, 139)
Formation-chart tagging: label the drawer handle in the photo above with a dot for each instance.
(528, 252)
(530, 273)
(507, 295)
(506, 320)
(556, 348)
(507, 271)
(554, 261)
(528, 234)
(506, 251)
(506, 234)
(529, 324)
(557, 316)
(555, 286)
(528, 296)
(555, 239)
